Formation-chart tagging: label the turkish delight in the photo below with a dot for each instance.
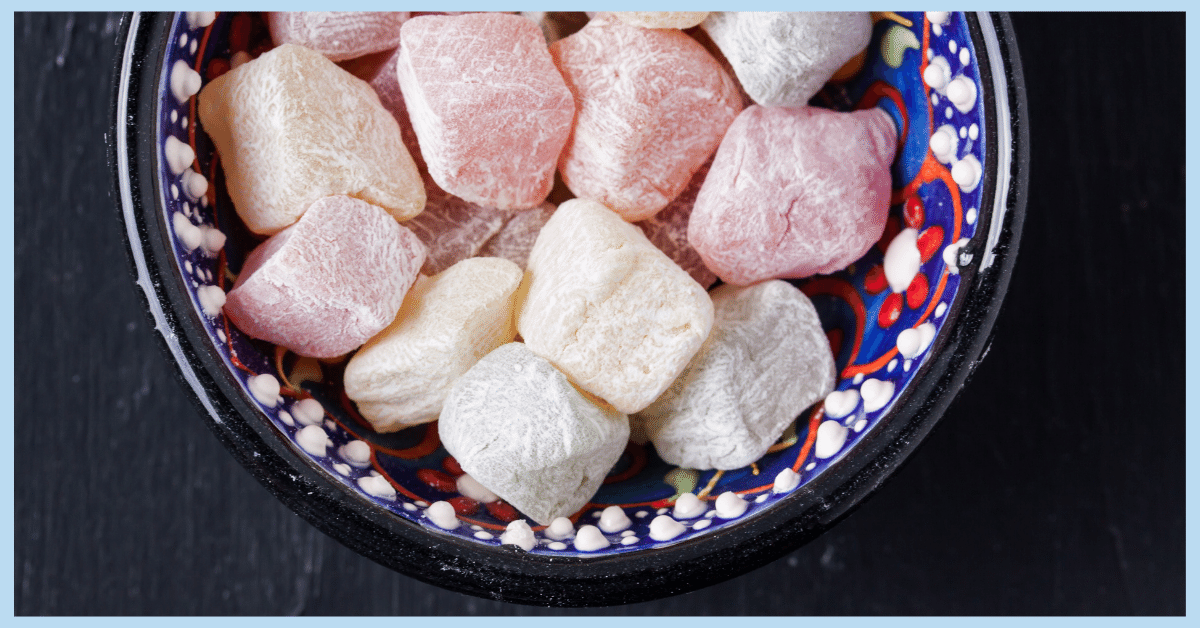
(662, 19)
(326, 284)
(608, 308)
(784, 58)
(291, 127)
(339, 35)
(765, 361)
(793, 192)
(521, 429)
(652, 106)
(490, 110)
(447, 323)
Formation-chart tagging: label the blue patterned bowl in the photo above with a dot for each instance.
(959, 180)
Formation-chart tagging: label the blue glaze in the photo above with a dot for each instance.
(646, 491)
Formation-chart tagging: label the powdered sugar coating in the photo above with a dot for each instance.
(291, 127)
(452, 228)
(489, 108)
(326, 284)
(608, 308)
(652, 106)
(784, 58)
(794, 192)
(662, 19)
(518, 426)
(338, 35)
(765, 361)
(446, 324)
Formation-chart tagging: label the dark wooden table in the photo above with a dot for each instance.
(1054, 485)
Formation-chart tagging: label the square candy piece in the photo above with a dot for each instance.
(490, 110)
(784, 58)
(653, 105)
(452, 228)
(608, 308)
(662, 19)
(291, 128)
(517, 426)
(793, 192)
(447, 323)
(766, 360)
(339, 35)
(326, 284)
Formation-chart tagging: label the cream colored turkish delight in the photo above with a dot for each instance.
(766, 360)
(523, 431)
(662, 19)
(447, 323)
(292, 127)
(608, 308)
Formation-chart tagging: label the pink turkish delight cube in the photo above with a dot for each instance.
(339, 35)
(329, 282)
(794, 192)
(451, 228)
(489, 108)
(652, 107)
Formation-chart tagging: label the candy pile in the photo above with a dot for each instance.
(410, 231)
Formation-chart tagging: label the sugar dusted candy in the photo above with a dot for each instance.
(652, 106)
(402, 375)
(452, 228)
(518, 426)
(766, 360)
(489, 108)
(783, 59)
(339, 35)
(794, 192)
(326, 284)
(662, 19)
(291, 127)
(608, 308)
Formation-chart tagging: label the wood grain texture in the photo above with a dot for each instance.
(1054, 485)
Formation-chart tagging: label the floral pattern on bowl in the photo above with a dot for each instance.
(920, 68)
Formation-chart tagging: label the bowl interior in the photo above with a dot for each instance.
(882, 340)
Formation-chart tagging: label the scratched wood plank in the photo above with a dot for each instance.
(1054, 485)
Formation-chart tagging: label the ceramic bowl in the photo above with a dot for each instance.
(901, 357)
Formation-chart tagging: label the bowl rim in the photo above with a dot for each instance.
(509, 574)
